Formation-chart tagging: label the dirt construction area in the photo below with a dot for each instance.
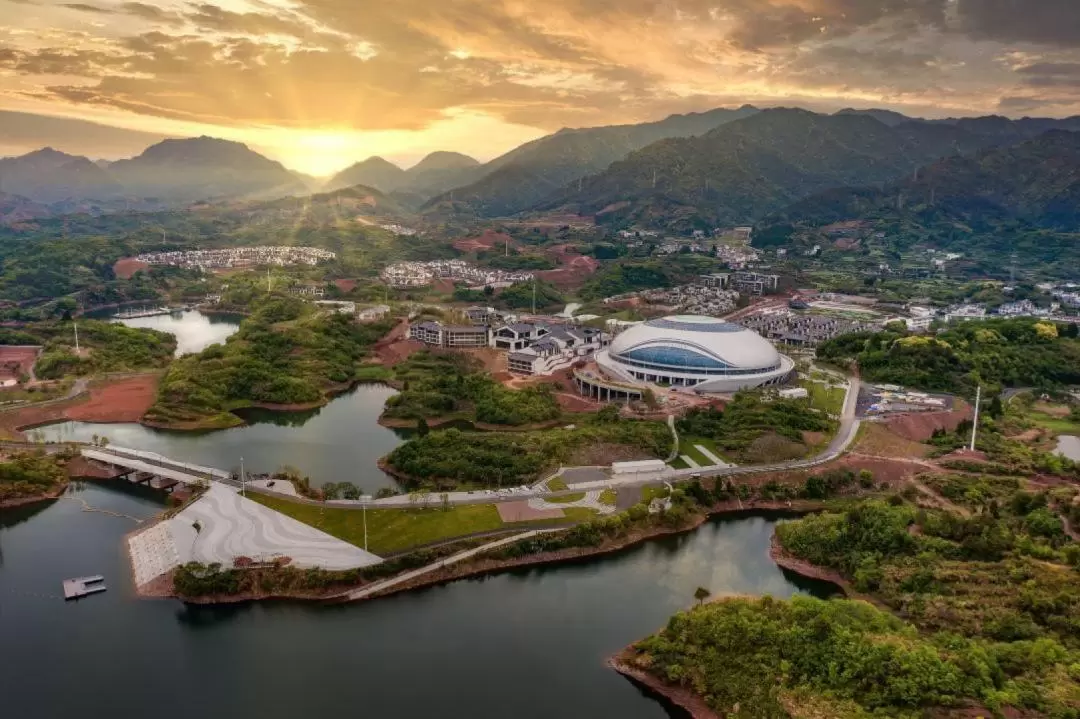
(485, 241)
(17, 360)
(126, 268)
(122, 400)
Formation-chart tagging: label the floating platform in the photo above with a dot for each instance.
(83, 586)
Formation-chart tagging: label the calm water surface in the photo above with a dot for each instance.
(194, 331)
(1068, 446)
(337, 443)
(529, 644)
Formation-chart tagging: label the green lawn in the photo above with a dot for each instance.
(648, 494)
(391, 530)
(687, 447)
(608, 497)
(557, 484)
(1059, 425)
(566, 498)
(827, 399)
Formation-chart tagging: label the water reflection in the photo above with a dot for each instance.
(339, 442)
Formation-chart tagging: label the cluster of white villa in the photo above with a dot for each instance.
(420, 274)
(239, 257)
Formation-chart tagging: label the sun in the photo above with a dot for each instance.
(320, 153)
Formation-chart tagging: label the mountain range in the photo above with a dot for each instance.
(1036, 183)
(743, 171)
(434, 174)
(173, 171)
(697, 170)
(528, 174)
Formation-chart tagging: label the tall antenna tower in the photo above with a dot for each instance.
(975, 422)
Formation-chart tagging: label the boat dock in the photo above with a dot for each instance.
(83, 586)
(135, 314)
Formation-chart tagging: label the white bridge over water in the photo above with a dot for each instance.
(149, 465)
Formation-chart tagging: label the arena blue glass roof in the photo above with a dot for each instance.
(672, 323)
(674, 357)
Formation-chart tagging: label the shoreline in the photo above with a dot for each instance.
(209, 424)
(482, 566)
(678, 696)
(55, 493)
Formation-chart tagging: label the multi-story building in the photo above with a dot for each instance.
(436, 334)
(517, 336)
(751, 283)
(559, 349)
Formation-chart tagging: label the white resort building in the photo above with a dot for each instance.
(693, 351)
(558, 349)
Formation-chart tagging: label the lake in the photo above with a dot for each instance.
(1068, 446)
(337, 443)
(194, 331)
(530, 644)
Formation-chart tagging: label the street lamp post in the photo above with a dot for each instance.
(243, 480)
(365, 498)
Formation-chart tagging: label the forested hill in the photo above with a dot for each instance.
(1036, 183)
(744, 170)
(528, 174)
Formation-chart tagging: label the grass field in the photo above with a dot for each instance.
(687, 446)
(608, 497)
(391, 530)
(825, 398)
(566, 498)
(557, 484)
(1059, 425)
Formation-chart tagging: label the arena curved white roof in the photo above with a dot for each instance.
(695, 342)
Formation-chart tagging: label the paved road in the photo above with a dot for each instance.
(845, 435)
(385, 584)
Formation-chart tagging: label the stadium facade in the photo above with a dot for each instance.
(703, 354)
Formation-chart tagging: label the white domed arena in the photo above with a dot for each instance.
(691, 351)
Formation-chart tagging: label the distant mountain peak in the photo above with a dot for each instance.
(443, 160)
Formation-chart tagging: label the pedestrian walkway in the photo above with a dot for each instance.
(591, 500)
(386, 584)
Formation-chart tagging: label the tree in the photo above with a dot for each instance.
(996, 409)
(701, 594)
(422, 428)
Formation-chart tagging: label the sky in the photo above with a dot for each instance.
(320, 84)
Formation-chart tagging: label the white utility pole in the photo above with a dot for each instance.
(975, 424)
(268, 285)
(365, 498)
(74, 325)
(534, 295)
(243, 480)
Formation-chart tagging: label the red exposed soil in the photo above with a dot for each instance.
(443, 285)
(574, 268)
(486, 241)
(345, 285)
(126, 267)
(396, 346)
(124, 400)
(15, 361)
(920, 427)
